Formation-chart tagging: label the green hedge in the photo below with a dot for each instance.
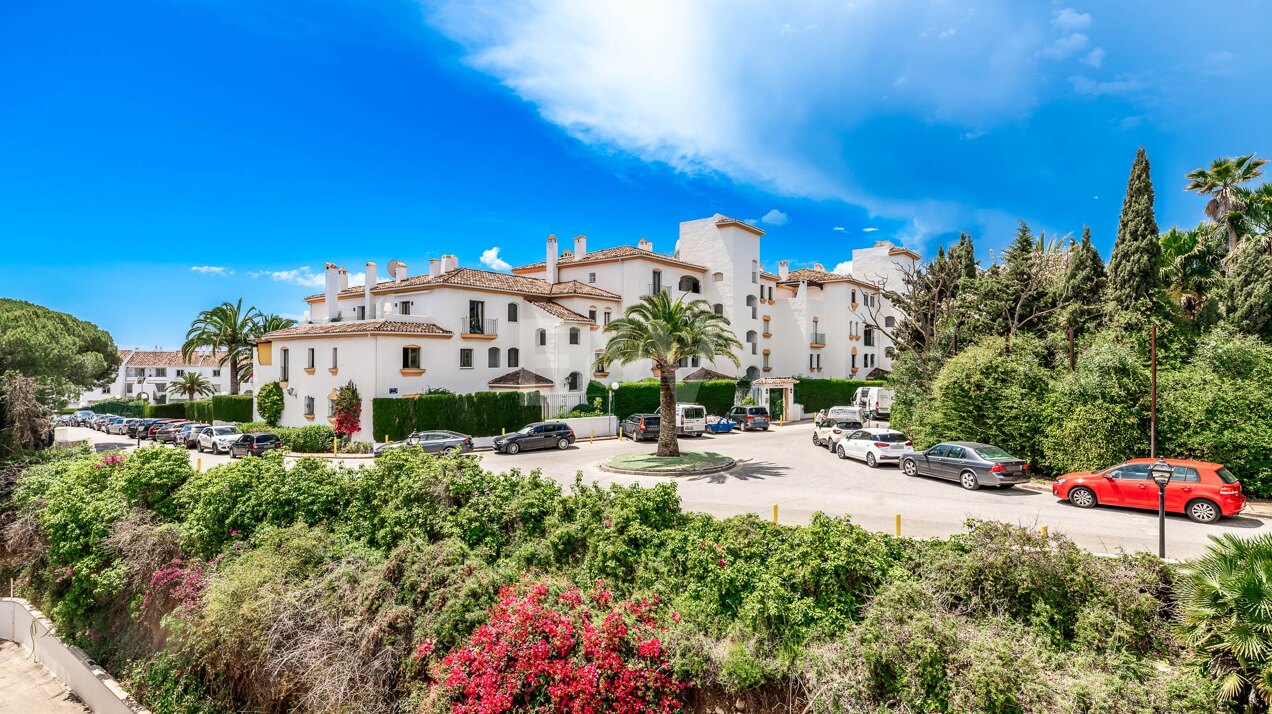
(171, 410)
(199, 410)
(118, 407)
(232, 407)
(480, 414)
(642, 397)
(818, 394)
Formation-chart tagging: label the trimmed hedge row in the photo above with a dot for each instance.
(235, 408)
(199, 410)
(232, 407)
(479, 414)
(717, 396)
(118, 407)
(817, 394)
(171, 410)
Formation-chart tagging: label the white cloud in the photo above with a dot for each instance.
(1066, 45)
(1094, 58)
(1066, 19)
(1124, 84)
(490, 258)
(869, 229)
(305, 277)
(844, 268)
(212, 270)
(774, 218)
(837, 228)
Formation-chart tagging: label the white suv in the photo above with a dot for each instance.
(875, 446)
(828, 432)
(217, 439)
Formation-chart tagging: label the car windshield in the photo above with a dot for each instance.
(527, 429)
(891, 437)
(993, 453)
(695, 413)
(1227, 476)
(651, 420)
(225, 430)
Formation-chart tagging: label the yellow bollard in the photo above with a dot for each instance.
(774, 514)
(198, 464)
(898, 524)
(1044, 532)
(503, 431)
(335, 442)
(591, 437)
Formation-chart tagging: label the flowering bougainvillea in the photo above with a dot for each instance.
(550, 647)
(178, 587)
(348, 410)
(109, 461)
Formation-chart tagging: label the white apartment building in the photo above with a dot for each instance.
(146, 374)
(541, 327)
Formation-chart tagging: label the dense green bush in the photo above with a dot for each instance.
(817, 394)
(171, 410)
(232, 407)
(199, 410)
(119, 407)
(479, 414)
(716, 396)
(269, 403)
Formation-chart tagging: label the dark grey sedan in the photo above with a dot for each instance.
(433, 442)
(971, 464)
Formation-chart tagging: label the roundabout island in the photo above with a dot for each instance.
(689, 463)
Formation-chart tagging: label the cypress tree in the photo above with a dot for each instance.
(1249, 288)
(1134, 270)
(1084, 282)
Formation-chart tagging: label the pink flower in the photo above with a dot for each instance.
(721, 562)
(424, 649)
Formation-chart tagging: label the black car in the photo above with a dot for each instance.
(639, 427)
(254, 444)
(141, 426)
(539, 435)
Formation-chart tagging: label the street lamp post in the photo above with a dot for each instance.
(613, 392)
(1161, 472)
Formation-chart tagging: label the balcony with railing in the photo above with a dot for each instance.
(817, 339)
(478, 329)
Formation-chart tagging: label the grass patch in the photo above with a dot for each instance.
(687, 461)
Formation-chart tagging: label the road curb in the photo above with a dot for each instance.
(1254, 509)
(686, 472)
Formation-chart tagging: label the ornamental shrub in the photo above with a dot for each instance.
(199, 410)
(150, 477)
(232, 407)
(348, 410)
(269, 403)
(549, 646)
(312, 439)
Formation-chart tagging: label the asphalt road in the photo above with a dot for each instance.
(782, 467)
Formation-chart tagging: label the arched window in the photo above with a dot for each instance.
(607, 316)
(600, 366)
(752, 373)
(717, 277)
(574, 335)
(574, 382)
(514, 357)
(543, 338)
(719, 309)
(755, 271)
(512, 312)
(753, 303)
(754, 340)
(688, 284)
(889, 321)
(492, 357)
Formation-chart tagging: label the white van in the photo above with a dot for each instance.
(691, 419)
(852, 414)
(874, 402)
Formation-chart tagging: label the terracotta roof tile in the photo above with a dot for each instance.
(560, 311)
(468, 277)
(821, 276)
(702, 374)
(165, 358)
(346, 327)
(620, 251)
(520, 378)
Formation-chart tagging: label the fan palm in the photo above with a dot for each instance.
(1225, 613)
(191, 385)
(1223, 181)
(666, 331)
(1191, 266)
(227, 329)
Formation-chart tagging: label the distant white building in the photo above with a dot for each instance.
(146, 374)
(541, 327)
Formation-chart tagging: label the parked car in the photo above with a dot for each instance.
(875, 403)
(639, 427)
(190, 434)
(254, 444)
(137, 426)
(845, 414)
(432, 442)
(82, 416)
(751, 417)
(217, 439)
(539, 435)
(875, 446)
(970, 463)
(1203, 491)
(828, 431)
(691, 419)
(115, 425)
(168, 433)
(153, 431)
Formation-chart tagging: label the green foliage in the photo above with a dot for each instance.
(64, 355)
(1248, 292)
(480, 414)
(232, 407)
(1084, 284)
(173, 410)
(150, 477)
(119, 407)
(199, 410)
(817, 394)
(167, 686)
(1134, 277)
(312, 439)
(715, 395)
(269, 403)
(229, 331)
(190, 385)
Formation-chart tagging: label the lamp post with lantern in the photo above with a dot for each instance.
(1161, 473)
(613, 391)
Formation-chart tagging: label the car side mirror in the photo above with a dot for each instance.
(1112, 474)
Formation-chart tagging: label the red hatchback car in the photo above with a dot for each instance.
(1200, 489)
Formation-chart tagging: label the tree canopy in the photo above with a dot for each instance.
(63, 354)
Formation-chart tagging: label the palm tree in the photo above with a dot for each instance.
(1223, 181)
(1191, 266)
(228, 329)
(269, 322)
(1225, 613)
(667, 331)
(191, 385)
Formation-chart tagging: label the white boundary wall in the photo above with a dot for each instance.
(27, 626)
(584, 426)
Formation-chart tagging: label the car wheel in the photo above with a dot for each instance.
(563, 444)
(1203, 511)
(871, 461)
(839, 451)
(514, 447)
(969, 480)
(909, 468)
(815, 441)
(198, 448)
(1082, 497)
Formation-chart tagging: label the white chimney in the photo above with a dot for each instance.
(819, 266)
(342, 277)
(580, 247)
(644, 244)
(434, 267)
(369, 305)
(551, 274)
(331, 288)
(397, 270)
(784, 269)
(449, 263)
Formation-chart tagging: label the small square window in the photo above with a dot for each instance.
(466, 359)
(410, 358)
(591, 277)
(309, 406)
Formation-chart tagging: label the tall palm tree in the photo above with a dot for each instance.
(227, 329)
(667, 331)
(1225, 613)
(1191, 266)
(269, 322)
(191, 385)
(1223, 181)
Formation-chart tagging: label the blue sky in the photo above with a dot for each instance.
(159, 157)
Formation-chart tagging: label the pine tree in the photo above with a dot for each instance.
(1134, 269)
(1084, 283)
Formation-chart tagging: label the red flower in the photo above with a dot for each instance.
(424, 649)
(721, 562)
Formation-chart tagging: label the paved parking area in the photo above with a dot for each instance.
(782, 467)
